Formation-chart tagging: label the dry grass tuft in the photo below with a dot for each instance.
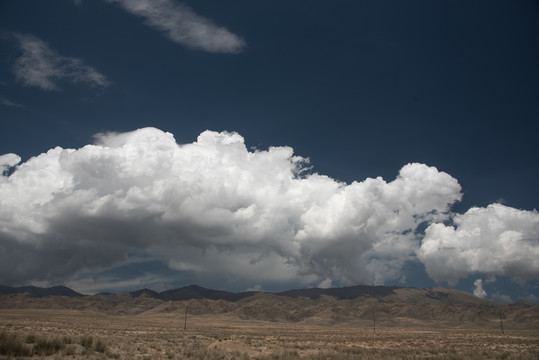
(86, 341)
(46, 347)
(18, 345)
(27, 345)
(13, 345)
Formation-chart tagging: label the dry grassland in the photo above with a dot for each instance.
(52, 334)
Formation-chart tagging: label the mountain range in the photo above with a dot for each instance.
(383, 293)
(38, 292)
(344, 305)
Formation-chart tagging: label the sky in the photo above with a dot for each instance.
(270, 145)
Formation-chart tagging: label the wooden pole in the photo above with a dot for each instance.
(501, 323)
(185, 320)
(373, 323)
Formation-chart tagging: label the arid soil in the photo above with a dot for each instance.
(86, 335)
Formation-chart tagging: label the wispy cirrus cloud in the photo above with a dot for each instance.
(6, 102)
(183, 26)
(41, 66)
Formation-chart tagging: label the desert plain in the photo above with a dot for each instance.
(74, 334)
(359, 322)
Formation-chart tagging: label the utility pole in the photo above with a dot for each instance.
(185, 320)
(501, 323)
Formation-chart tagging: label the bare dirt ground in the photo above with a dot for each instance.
(55, 334)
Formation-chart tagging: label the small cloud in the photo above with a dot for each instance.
(531, 298)
(257, 287)
(479, 291)
(325, 284)
(77, 2)
(5, 101)
(115, 284)
(8, 161)
(42, 67)
(183, 26)
(504, 299)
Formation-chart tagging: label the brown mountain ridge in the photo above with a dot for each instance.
(391, 306)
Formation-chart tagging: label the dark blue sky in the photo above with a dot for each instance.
(359, 87)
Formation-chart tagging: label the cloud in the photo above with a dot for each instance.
(183, 26)
(496, 240)
(212, 210)
(42, 67)
(531, 299)
(479, 291)
(504, 299)
(257, 287)
(325, 284)
(210, 207)
(5, 101)
(8, 161)
(90, 285)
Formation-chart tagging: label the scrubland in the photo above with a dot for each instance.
(64, 334)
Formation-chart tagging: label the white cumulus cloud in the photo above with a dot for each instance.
(41, 66)
(183, 26)
(7, 161)
(496, 240)
(479, 291)
(210, 207)
(325, 284)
